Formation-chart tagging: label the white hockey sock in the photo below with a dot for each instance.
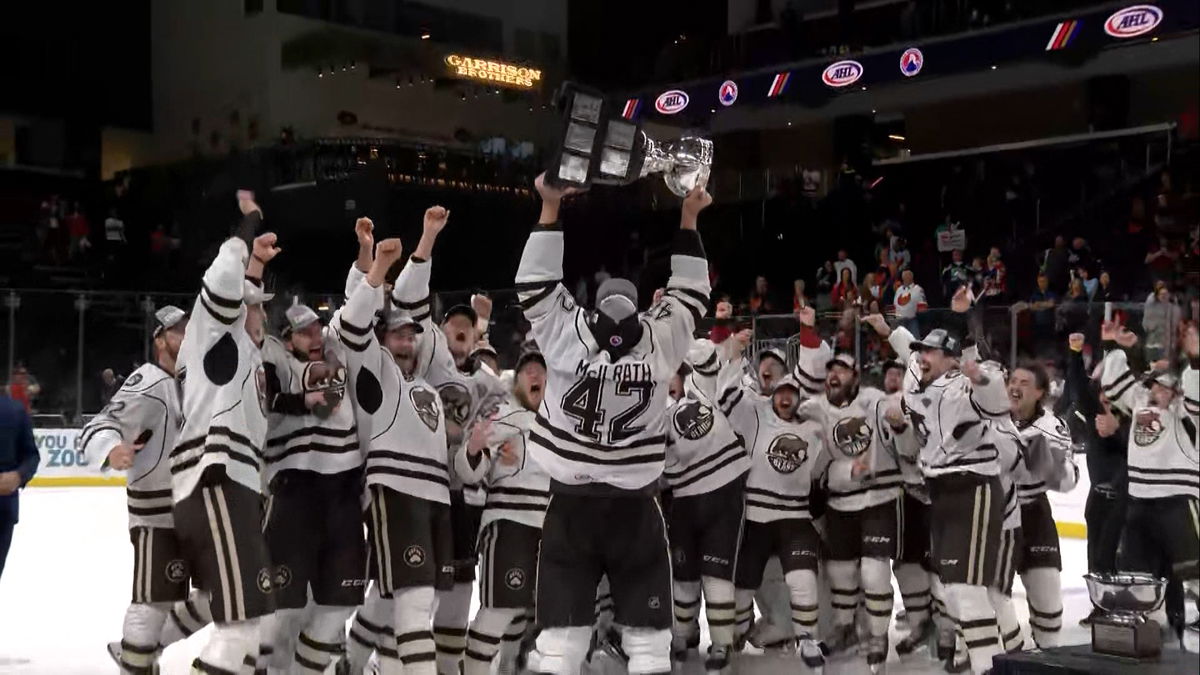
(877, 591)
(687, 610)
(802, 592)
(560, 651)
(278, 633)
(913, 581)
(744, 601)
(941, 616)
(371, 629)
(232, 647)
(510, 643)
(139, 637)
(772, 597)
(843, 589)
(321, 639)
(1043, 590)
(450, 619)
(1006, 621)
(186, 617)
(977, 623)
(648, 649)
(485, 636)
(414, 640)
(604, 606)
(720, 609)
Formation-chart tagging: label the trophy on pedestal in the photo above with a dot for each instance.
(1126, 599)
(598, 146)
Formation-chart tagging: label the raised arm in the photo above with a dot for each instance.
(354, 321)
(1120, 377)
(685, 300)
(814, 354)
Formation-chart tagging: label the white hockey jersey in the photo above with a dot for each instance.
(518, 490)
(148, 401)
(1047, 444)
(853, 432)
(1010, 448)
(296, 438)
(1163, 458)
(224, 386)
(466, 394)
(785, 456)
(950, 414)
(403, 417)
(703, 452)
(603, 423)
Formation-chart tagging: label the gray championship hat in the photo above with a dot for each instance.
(617, 298)
(1164, 378)
(773, 353)
(787, 381)
(843, 359)
(938, 338)
(254, 294)
(299, 317)
(397, 319)
(167, 318)
(530, 356)
(484, 347)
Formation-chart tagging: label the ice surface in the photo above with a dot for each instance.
(68, 577)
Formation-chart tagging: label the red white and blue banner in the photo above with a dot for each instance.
(1063, 34)
(778, 84)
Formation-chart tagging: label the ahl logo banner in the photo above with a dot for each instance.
(1133, 21)
(671, 102)
(842, 73)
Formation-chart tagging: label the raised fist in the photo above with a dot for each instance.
(807, 316)
(264, 247)
(696, 201)
(879, 323)
(364, 229)
(550, 193)
(388, 251)
(961, 301)
(435, 218)
(482, 305)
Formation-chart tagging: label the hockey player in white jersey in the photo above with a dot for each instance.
(862, 483)
(1050, 466)
(216, 466)
(786, 455)
(949, 401)
(705, 470)
(314, 473)
(134, 433)
(517, 493)
(600, 434)
(1162, 525)
(406, 471)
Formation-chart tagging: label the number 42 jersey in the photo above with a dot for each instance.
(603, 423)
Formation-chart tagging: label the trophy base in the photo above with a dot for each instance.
(1134, 640)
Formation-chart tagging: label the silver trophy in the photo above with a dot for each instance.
(1126, 598)
(684, 163)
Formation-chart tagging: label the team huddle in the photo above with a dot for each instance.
(621, 476)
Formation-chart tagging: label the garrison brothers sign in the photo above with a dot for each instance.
(494, 72)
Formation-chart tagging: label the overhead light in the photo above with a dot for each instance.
(1154, 39)
(398, 83)
(873, 111)
(896, 137)
(320, 72)
(352, 65)
(993, 67)
(425, 35)
(864, 87)
(712, 110)
(789, 124)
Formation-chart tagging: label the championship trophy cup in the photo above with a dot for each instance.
(1126, 598)
(598, 147)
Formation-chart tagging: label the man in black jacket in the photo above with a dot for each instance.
(18, 462)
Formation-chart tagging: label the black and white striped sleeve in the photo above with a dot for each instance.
(1119, 382)
(221, 288)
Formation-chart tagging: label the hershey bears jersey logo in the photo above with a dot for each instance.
(693, 419)
(852, 435)
(515, 578)
(1147, 427)
(456, 401)
(425, 402)
(264, 580)
(787, 453)
(282, 578)
(414, 556)
(176, 571)
(132, 381)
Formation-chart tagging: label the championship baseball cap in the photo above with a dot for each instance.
(484, 347)
(617, 298)
(397, 319)
(844, 359)
(938, 338)
(787, 381)
(1162, 377)
(461, 310)
(254, 294)
(774, 354)
(299, 317)
(167, 318)
(892, 363)
(528, 357)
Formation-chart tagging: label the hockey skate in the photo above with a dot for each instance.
(958, 661)
(877, 653)
(842, 639)
(681, 649)
(945, 645)
(812, 652)
(765, 635)
(921, 634)
(114, 651)
(719, 660)
(609, 643)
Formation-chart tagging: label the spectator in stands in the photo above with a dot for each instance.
(1073, 311)
(1081, 255)
(845, 289)
(826, 278)
(723, 321)
(1160, 258)
(995, 278)
(1159, 318)
(23, 388)
(910, 301)
(956, 274)
(899, 257)
(1104, 289)
(799, 298)
(18, 462)
(1042, 303)
(1090, 285)
(78, 229)
(760, 298)
(844, 262)
(1055, 264)
(871, 290)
